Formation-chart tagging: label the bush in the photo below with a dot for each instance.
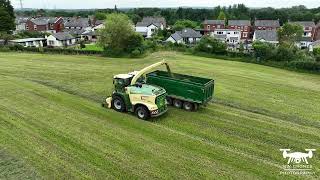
(211, 45)
(286, 53)
(135, 53)
(264, 51)
(305, 65)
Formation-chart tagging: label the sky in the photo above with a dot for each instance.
(88, 4)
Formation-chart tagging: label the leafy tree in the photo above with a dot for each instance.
(118, 37)
(181, 24)
(7, 16)
(222, 15)
(290, 33)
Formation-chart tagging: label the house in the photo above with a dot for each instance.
(185, 36)
(61, 39)
(230, 36)
(269, 36)
(266, 24)
(149, 25)
(29, 42)
(309, 28)
(45, 24)
(75, 33)
(77, 23)
(89, 36)
(21, 23)
(244, 26)
(211, 25)
(309, 33)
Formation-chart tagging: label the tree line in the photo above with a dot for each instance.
(237, 11)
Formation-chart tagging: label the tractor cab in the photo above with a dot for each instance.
(121, 81)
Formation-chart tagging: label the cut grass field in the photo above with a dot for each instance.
(52, 125)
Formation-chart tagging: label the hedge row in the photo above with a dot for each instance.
(50, 50)
(305, 65)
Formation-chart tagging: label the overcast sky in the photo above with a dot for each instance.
(86, 4)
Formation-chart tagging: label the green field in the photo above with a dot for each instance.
(52, 125)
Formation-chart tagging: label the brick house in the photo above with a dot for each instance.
(317, 34)
(309, 33)
(244, 26)
(45, 24)
(211, 25)
(266, 24)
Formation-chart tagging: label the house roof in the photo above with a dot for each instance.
(309, 39)
(75, 32)
(27, 40)
(316, 43)
(267, 35)
(44, 20)
(146, 24)
(20, 20)
(305, 23)
(239, 23)
(157, 20)
(213, 22)
(267, 23)
(228, 30)
(89, 33)
(61, 36)
(77, 22)
(186, 33)
(176, 36)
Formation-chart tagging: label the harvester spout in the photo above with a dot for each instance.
(148, 69)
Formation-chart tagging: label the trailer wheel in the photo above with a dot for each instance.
(142, 113)
(177, 103)
(188, 106)
(169, 101)
(118, 104)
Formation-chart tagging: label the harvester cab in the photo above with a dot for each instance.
(132, 94)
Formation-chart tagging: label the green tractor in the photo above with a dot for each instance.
(132, 94)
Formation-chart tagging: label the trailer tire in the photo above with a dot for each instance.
(118, 104)
(177, 103)
(188, 106)
(142, 113)
(169, 101)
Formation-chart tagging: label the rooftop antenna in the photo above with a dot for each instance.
(21, 4)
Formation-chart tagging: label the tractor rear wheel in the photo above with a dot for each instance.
(188, 106)
(118, 104)
(177, 103)
(142, 113)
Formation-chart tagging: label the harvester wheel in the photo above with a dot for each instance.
(177, 103)
(118, 104)
(188, 106)
(169, 101)
(142, 113)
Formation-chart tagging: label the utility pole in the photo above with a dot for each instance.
(21, 4)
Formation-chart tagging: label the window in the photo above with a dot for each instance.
(208, 27)
(246, 28)
(35, 27)
(27, 27)
(218, 26)
(245, 34)
(70, 41)
(219, 32)
(51, 42)
(236, 32)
